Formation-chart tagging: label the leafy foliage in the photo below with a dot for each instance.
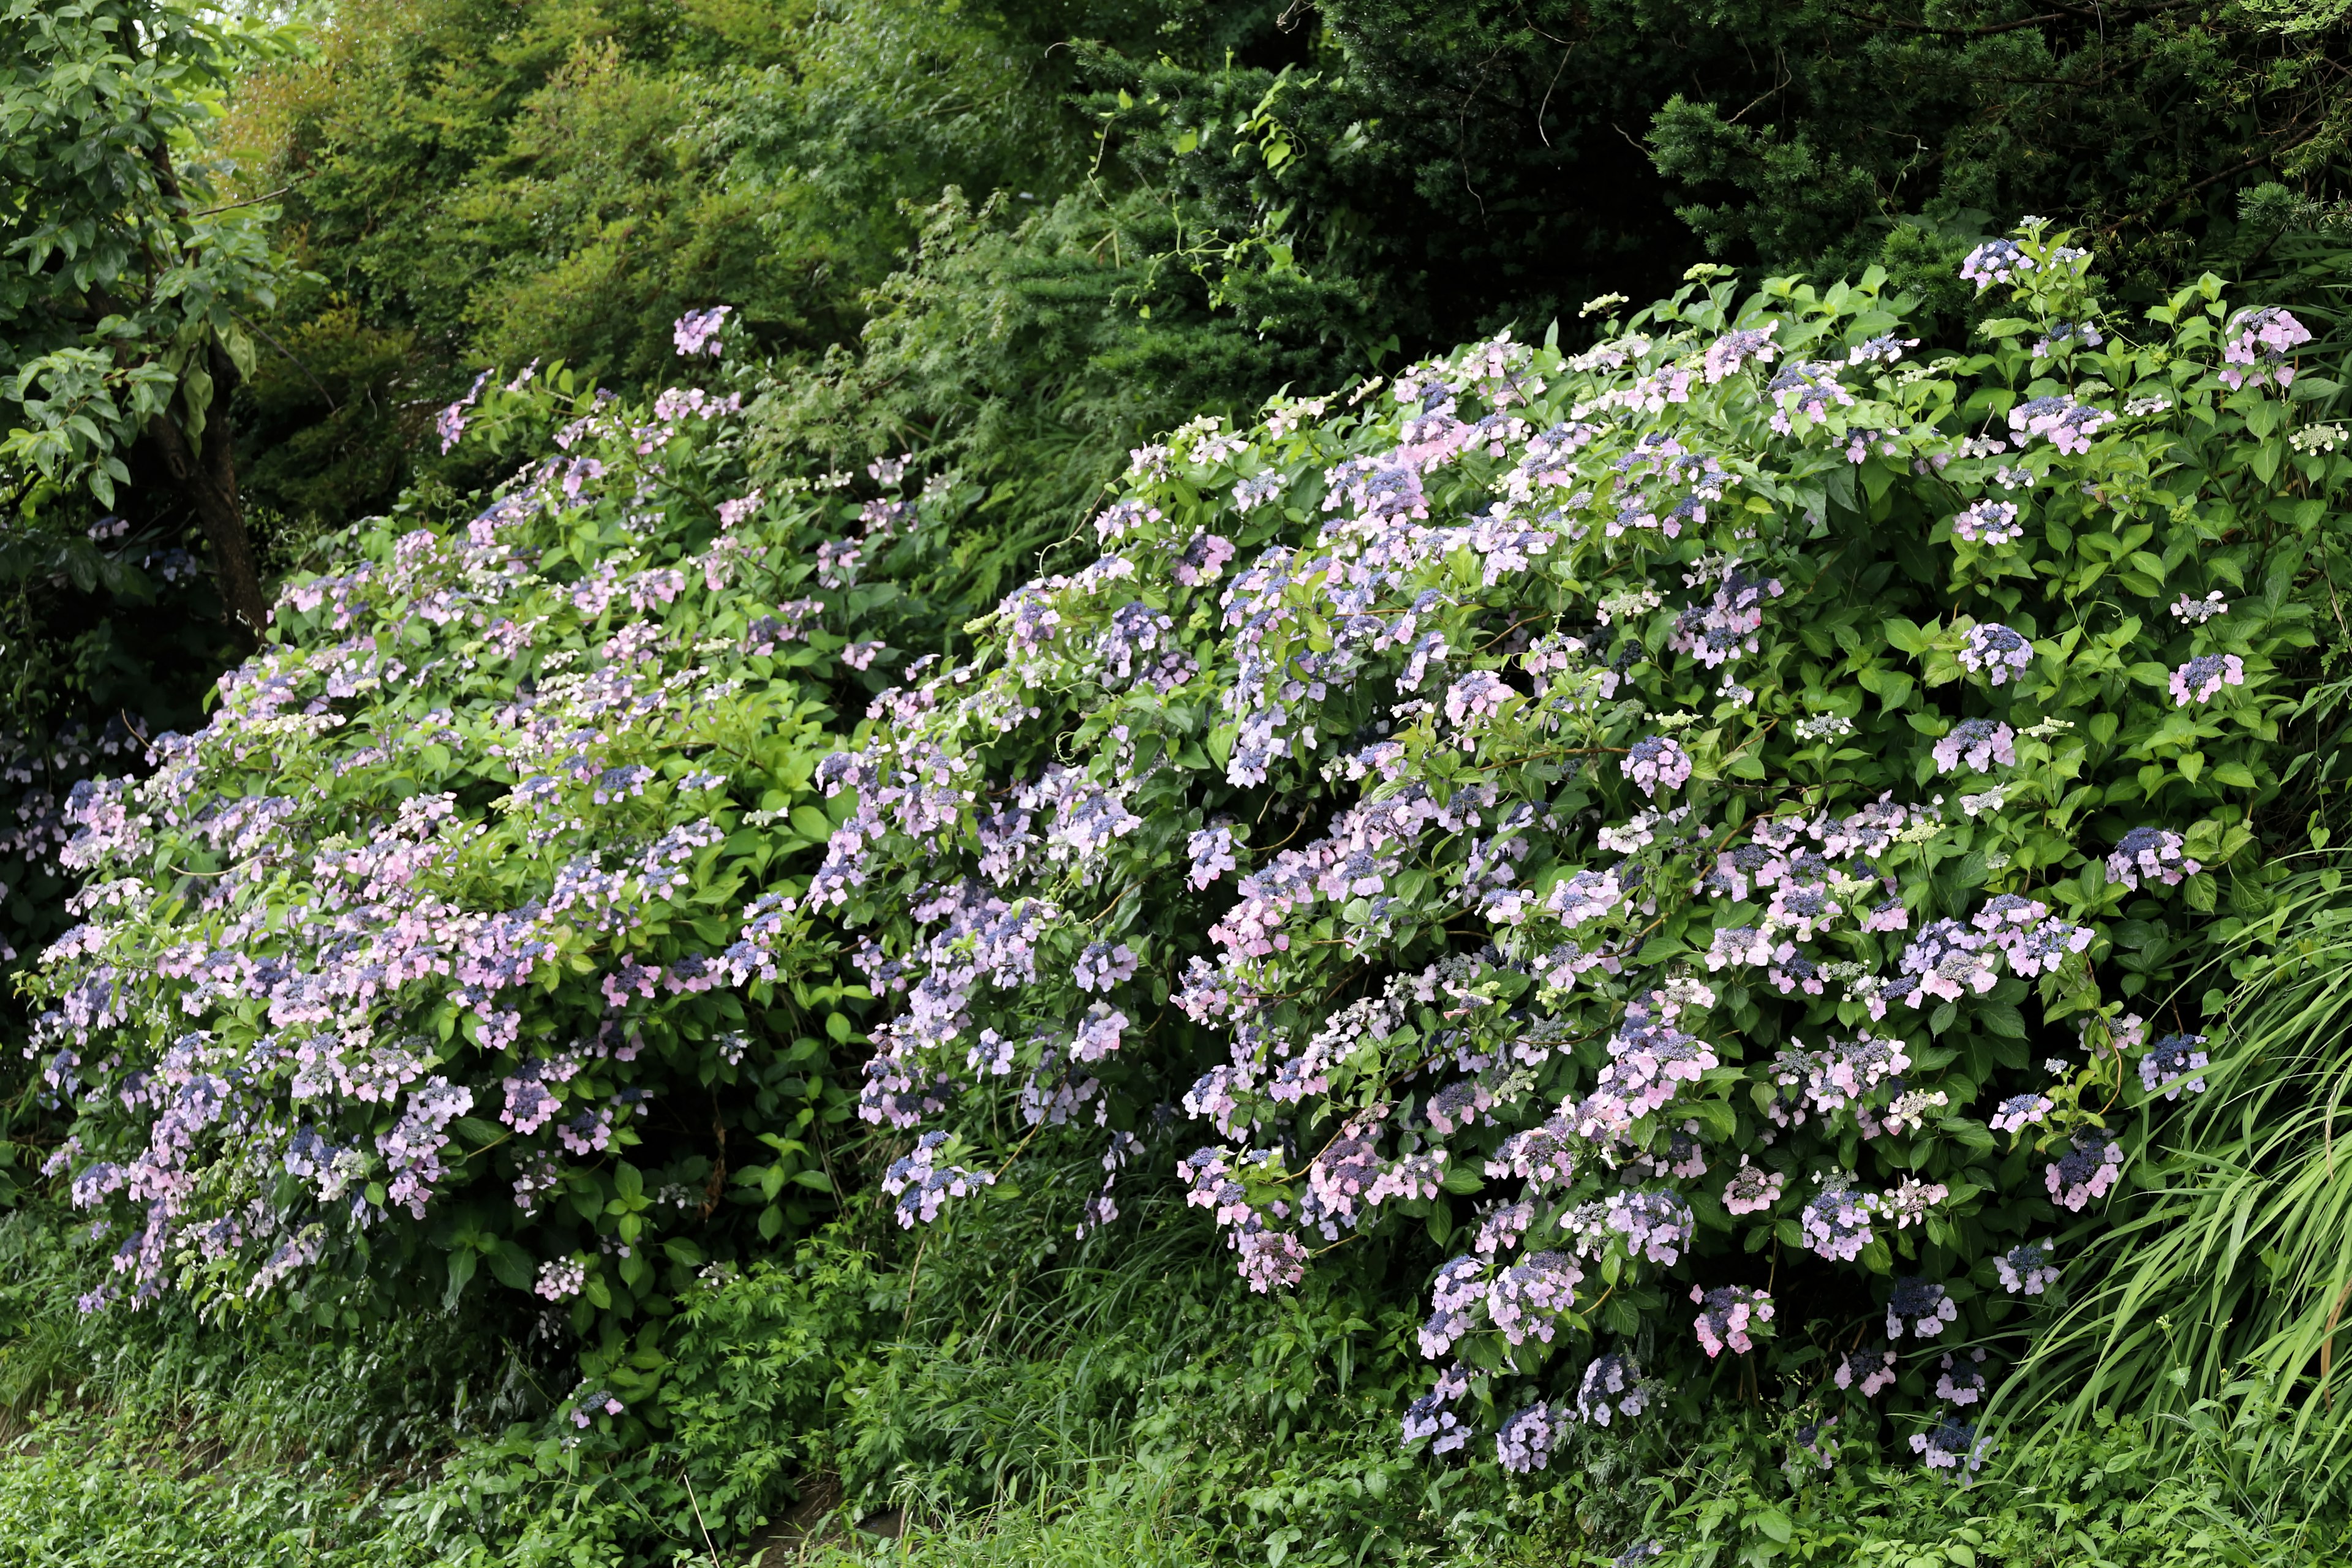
(459, 936)
(2226, 1277)
(125, 315)
(1588, 830)
(1577, 730)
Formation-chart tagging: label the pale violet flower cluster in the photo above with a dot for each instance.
(2152, 854)
(1996, 261)
(921, 1185)
(696, 331)
(1989, 522)
(1728, 1315)
(2067, 425)
(1919, 1307)
(1979, 744)
(2257, 345)
(1866, 1371)
(2087, 1170)
(2026, 1269)
(2202, 676)
(1952, 1445)
(2172, 1064)
(1996, 652)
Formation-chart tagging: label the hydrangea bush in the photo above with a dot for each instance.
(460, 936)
(1709, 828)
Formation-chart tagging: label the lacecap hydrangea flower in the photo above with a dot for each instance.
(2171, 1066)
(1727, 1315)
(2026, 1269)
(2088, 1169)
(1995, 651)
(1921, 1307)
(2257, 345)
(2202, 677)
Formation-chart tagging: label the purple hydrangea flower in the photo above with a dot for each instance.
(1835, 1222)
(2026, 1269)
(1995, 651)
(1977, 743)
(1989, 522)
(1656, 763)
(1752, 1189)
(1612, 1386)
(696, 331)
(2171, 1065)
(1525, 1298)
(2153, 853)
(2261, 338)
(1102, 966)
(2202, 677)
(1921, 1307)
(1727, 1314)
(1953, 1444)
(921, 1186)
(562, 1278)
(1996, 261)
(1429, 1417)
(2019, 1111)
(2069, 424)
(2087, 1170)
(1734, 349)
(1656, 1222)
(1525, 1442)
(1867, 1372)
(1963, 1379)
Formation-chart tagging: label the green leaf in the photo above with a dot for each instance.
(513, 1266)
(1904, 636)
(461, 1268)
(477, 1132)
(2001, 1018)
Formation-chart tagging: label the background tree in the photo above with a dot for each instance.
(125, 315)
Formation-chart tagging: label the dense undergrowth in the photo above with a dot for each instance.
(1113, 1403)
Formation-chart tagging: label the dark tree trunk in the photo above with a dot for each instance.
(208, 479)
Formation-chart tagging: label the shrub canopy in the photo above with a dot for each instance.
(459, 935)
(1688, 827)
(1714, 829)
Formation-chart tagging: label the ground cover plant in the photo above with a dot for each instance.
(1128, 1405)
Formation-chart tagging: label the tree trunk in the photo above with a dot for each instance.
(209, 478)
